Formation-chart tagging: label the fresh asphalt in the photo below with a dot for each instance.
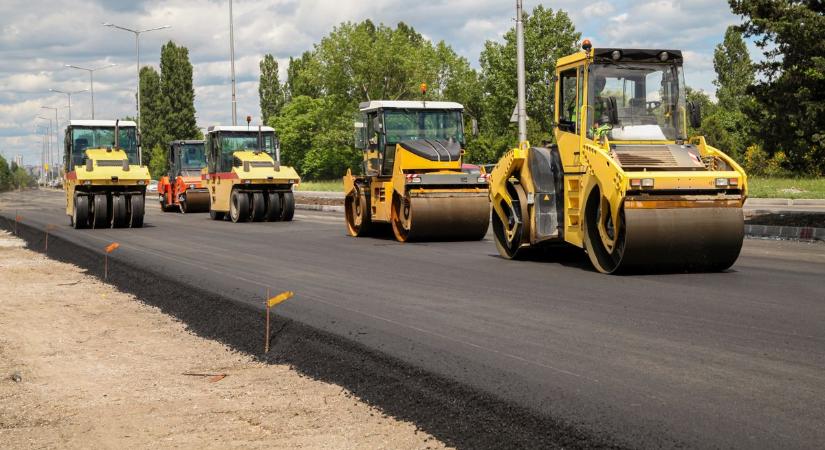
(734, 359)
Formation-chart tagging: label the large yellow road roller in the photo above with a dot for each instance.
(414, 176)
(244, 175)
(624, 180)
(104, 180)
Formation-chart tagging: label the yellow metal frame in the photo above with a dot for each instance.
(109, 176)
(220, 185)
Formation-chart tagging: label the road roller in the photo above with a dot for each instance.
(104, 180)
(182, 188)
(244, 176)
(624, 180)
(413, 176)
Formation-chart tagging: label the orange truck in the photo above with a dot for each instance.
(182, 189)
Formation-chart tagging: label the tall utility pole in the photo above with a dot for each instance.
(232, 64)
(69, 95)
(522, 93)
(137, 34)
(56, 133)
(49, 147)
(91, 80)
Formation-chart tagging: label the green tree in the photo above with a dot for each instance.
(548, 36)
(270, 91)
(157, 166)
(177, 93)
(790, 91)
(151, 108)
(5, 175)
(735, 72)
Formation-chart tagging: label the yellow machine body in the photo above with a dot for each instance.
(655, 203)
(104, 186)
(247, 184)
(415, 177)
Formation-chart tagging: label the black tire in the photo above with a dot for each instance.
(238, 207)
(258, 207)
(162, 199)
(216, 215)
(80, 217)
(273, 207)
(100, 212)
(136, 203)
(357, 213)
(288, 205)
(119, 211)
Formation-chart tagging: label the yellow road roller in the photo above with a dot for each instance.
(244, 175)
(104, 180)
(624, 180)
(414, 176)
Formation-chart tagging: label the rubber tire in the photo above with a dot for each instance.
(137, 203)
(119, 211)
(216, 215)
(238, 207)
(100, 212)
(273, 207)
(80, 217)
(258, 207)
(288, 205)
(163, 205)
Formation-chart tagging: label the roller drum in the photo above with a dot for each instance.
(673, 240)
(195, 202)
(447, 216)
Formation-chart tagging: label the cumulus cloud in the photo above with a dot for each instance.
(37, 39)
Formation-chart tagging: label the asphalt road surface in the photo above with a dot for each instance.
(733, 359)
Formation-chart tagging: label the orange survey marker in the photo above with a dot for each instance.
(109, 249)
(49, 227)
(270, 302)
(17, 218)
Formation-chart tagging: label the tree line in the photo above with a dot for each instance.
(767, 114)
(13, 176)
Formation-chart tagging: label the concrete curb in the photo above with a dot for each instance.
(772, 231)
(784, 202)
(324, 208)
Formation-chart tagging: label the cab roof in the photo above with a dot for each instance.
(628, 55)
(101, 123)
(408, 104)
(250, 128)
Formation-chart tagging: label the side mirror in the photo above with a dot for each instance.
(377, 125)
(694, 114)
(474, 125)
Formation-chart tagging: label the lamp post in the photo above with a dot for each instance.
(56, 131)
(137, 34)
(69, 95)
(232, 64)
(38, 129)
(49, 151)
(91, 71)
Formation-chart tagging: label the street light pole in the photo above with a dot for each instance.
(232, 64)
(137, 34)
(48, 158)
(522, 96)
(56, 132)
(91, 71)
(69, 95)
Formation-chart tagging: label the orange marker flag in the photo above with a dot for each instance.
(112, 247)
(283, 296)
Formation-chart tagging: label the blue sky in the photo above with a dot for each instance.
(37, 38)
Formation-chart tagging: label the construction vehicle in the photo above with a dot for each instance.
(244, 175)
(624, 180)
(182, 189)
(413, 174)
(105, 182)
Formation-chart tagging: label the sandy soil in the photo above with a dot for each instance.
(86, 366)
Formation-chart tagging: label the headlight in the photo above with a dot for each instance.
(141, 182)
(191, 186)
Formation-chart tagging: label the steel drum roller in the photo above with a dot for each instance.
(446, 216)
(678, 239)
(197, 202)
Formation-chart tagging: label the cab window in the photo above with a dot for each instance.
(568, 103)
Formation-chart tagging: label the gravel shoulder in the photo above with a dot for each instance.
(84, 365)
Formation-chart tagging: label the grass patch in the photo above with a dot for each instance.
(761, 187)
(322, 185)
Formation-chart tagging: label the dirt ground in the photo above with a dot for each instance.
(86, 366)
